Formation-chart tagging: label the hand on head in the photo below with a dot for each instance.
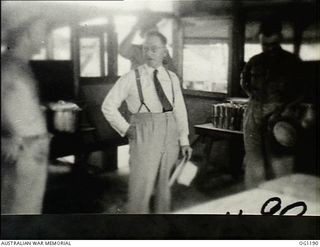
(148, 23)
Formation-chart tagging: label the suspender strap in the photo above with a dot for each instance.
(138, 80)
(172, 88)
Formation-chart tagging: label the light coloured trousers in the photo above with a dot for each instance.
(153, 152)
(24, 165)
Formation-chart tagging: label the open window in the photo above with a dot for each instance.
(310, 46)
(93, 35)
(206, 54)
(252, 45)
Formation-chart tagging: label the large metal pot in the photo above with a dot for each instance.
(63, 116)
(285, 133)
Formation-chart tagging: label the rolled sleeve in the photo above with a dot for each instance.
(112, 102)
(184, 140)
(180, 113)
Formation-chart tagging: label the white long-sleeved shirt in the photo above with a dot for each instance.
(125, 89)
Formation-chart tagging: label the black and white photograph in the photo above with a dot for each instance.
(172, 119)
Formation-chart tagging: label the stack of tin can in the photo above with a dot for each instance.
(228, 116)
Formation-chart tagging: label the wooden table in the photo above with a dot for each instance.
(209, 134)
(82, 143)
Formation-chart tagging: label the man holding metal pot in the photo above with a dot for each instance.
(273, 82)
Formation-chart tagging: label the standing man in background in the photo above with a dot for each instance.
(24, 136)
(158, 128)
(271, 80)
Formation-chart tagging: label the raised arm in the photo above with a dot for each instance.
(180, 112)
(126, 45)
(181, 116)
(112, 102)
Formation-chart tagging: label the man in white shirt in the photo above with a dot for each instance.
(158, 127)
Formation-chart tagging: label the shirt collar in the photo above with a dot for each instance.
(150, 70)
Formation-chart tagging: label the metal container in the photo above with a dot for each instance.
(228, 115)
(285, 133)
(215, 115)
(63, 116)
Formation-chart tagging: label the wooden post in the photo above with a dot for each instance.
(112, 48)
(236, 51)
(297, 38)
(102, 54)
(49, 45)
(177, 47)
(75, 55)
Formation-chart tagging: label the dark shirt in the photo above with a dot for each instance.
(275, 77)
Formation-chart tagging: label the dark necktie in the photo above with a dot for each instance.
(166, 105)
